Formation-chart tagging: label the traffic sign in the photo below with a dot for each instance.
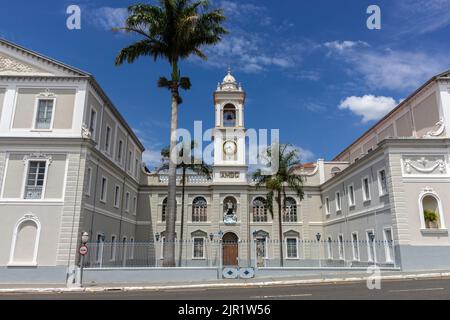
(83, 250)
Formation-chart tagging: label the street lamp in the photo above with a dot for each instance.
(84, 240)
(372, 243)
(157, 235)
(211, 236)
(318, 236)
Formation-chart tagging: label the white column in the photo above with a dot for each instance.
(8, 109)
(444, 107)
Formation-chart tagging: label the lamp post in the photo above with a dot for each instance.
(84, 240)
(220, 234)
(211, 238)
(318, 236)
(157, 237)
(372, 244)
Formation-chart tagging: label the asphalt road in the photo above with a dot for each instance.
(421, 289)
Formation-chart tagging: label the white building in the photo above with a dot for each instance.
(70, 163)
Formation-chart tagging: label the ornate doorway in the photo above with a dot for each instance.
(230, 249)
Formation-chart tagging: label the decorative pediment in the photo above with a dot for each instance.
(11, 66)
(37, 156)
(18, 61)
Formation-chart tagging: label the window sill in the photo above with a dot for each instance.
(41, 130)
(434, 231)
(18, 265)
(367, 201)
(338, 211)
(383, 195)
(197, 259)
(352, 207)
(292, 258)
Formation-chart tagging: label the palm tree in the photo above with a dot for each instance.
(192, 164)
(174, 30)
(277, 183)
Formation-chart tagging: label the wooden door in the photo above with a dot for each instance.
(230, 249)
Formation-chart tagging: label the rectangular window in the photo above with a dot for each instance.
(388, 245)
(366, 189)
(327, 206)
(104, 189)
(113, 248)
(136, 166)
(351, 196)
(341, 247)
(338, 201)
(291, 248)
(117, 196)
(127, 202)
(44, 114)
(130, 154)
(199, 248)
(99, 255)
(119, 151)
(370, 246)
(382, 183)
(93, 123)
(131, 249)
(88, 181)
(355, 246)
(35, 180)
(330, 248)
(108, 139)
(134, 205)
(124, 249)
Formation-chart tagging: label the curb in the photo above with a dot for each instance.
(222, 285)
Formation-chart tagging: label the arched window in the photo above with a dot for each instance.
(259, 209)
(25, 242)
(335, 171)
(431, 211)
(199, 210)
(229, 116)
(229, 210)
(290, 210)
(165, 209)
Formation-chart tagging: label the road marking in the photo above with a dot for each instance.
(414, 290)
(282, 296)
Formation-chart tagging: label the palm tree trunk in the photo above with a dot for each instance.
(169, 247)
(183, 185)
(280, 230)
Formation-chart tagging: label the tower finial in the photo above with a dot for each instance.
(229, 69)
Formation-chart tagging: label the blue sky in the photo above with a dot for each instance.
(310, 68)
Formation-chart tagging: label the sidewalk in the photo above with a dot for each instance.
(224, 283)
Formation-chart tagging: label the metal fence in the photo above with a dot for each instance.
(259, 253)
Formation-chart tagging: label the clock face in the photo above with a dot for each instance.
(229, 147)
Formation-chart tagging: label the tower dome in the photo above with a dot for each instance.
(229, 83)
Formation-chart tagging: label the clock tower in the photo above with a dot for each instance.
(229, 133)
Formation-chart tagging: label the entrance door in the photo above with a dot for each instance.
(260, 251)
(230, 249)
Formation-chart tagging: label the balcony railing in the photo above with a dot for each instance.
(33, 192)
(190, 179)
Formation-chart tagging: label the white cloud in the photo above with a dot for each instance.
(344, 45)
(421, 17)
(305, 154)
(389, 69)
(107, 17)
(152, 158)
(369, 107)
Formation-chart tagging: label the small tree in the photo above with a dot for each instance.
(277, 183)
(430, 218)
(193, 164)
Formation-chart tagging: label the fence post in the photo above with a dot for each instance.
(255, 253)
(220, 258)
